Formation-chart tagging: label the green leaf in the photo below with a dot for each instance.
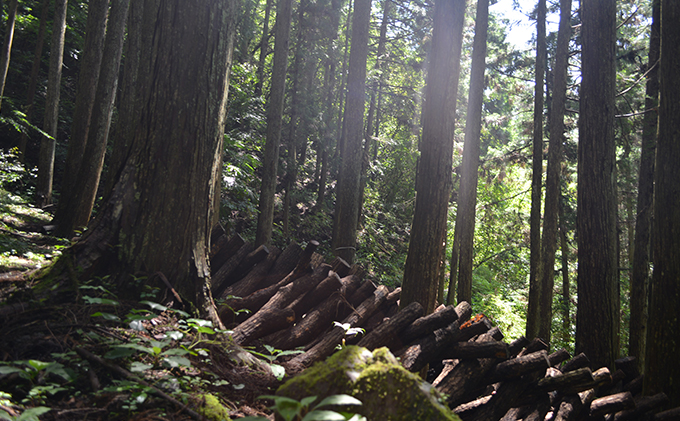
(138, 367)
(200, 322)
(175, 335)
(321, 415)
(278, 371)
(175, 361)
(175, 351)
(307, 401)
(126, 350)
(5, 369)
(32, 414)
(253, 419)
(38, 365)
(103, 301)
(106, 316)
(154, 306)
(205, 329)
(339, 400)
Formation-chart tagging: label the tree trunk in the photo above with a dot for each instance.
(598, 300)
(7, 46)
(566, 290)
(469, 176)
(552, 188)
(48, 144)
(79, 207)
(535, 286)
(35, 70)
(265, 219)
(662, 369)
(433, 181)
(639, 280)
(95, 33)
(174, 154)
(346, 216)
(264, 48)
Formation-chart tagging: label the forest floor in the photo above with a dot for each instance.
(102, 357)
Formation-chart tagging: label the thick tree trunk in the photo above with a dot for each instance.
(639, 280)
(662, 368)
(80, 203)
(433, 181)
(535, 285)
(265, 219)
(174, 153)
(95, 33)
(264, 48)
(598, 296)
(47, 144)
(348, 194)
(469, 176)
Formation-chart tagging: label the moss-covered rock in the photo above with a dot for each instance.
(387, 390)
(212, 409)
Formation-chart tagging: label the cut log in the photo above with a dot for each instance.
(643, 405)
(389, 329)
(571, 380)
(263, 323)
(601, 377)
(215, 234)
(223, 249)
(429, 323)
(505, 397)
(579, 361)
(340, 266)
(537, 344)
(611, 404)
(634, 386)
(366, 289)
(305, 302)
(558, 357)
(255, 278)
(629, 365)
(326, 346)
(516, 367)
(241, 270)
(517, 345)
(318, 320)
(420, 353)
(254, 327)
(390, 306)
(219, 278)
(469, 350)
(670, 415)
(573, 406)
(285, 264)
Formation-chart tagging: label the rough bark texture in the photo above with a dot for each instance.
(157, 217)
(95, 33)
(7, 46)
(639, 280)
(433, 181)
(265, 219)
(346, 215)
(469, 175)
(662, 372)
(598, 295)
(535, 286)
(47, 145)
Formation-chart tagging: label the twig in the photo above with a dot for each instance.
(129, 376)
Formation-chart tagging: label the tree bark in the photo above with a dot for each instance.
(88, 77)
(639, 280)
(265, 218)
(264, 48)
(534, 312)
(346, 216)
(7, 46)
(433, 181)
(598, 294)
(48, 144)
(662, 368)
(469, 176)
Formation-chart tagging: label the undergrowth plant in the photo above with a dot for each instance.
(293, 410)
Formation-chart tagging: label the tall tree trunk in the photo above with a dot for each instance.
(566, 290)
(264, 49)
(469, 171)
(7, 46)
(552, 188)
(48, 144)
(639, 281)
(433, 181)
(349, 176)
(535, 286)
(95, 34)
(597, 318)
(35, 70)
(83, 194)
(662, 373)
(174, 154)
(265, 220)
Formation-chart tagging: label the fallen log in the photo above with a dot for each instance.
(219, 278)
(579, 361)
(318, 319)
(469, 350)
(611, 404)
(222, 281)
(254, 279)
(537, 344)
(643, 405)
(505, 397)
(323, 289)
(571, 380)
(257, 325)
(326, 346)
(558, 357)
(389, 307)
(670, 415)
(517, 345)
(429, 323)
(389, 329)
(516, 367)
(223, 249)
(572, 406)
(340, 266)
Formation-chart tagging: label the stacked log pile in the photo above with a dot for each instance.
(290, 299)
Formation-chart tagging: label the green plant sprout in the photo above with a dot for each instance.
(278, 370)
(293, 410)
(349, 331)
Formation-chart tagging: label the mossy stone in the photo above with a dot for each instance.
(212, 409)
(387, 390)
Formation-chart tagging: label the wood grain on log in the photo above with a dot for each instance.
(611, 404)
(469, 350)
(534, 362)
(670, 415)
(429, 323)
(643, 405)
(387, 330)
(557, 357)
(579, 361)
(223, 280)
(255, 278)
(220, 277)
(223, 250)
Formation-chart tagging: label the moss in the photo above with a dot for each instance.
(212, 409)
(387, 390)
